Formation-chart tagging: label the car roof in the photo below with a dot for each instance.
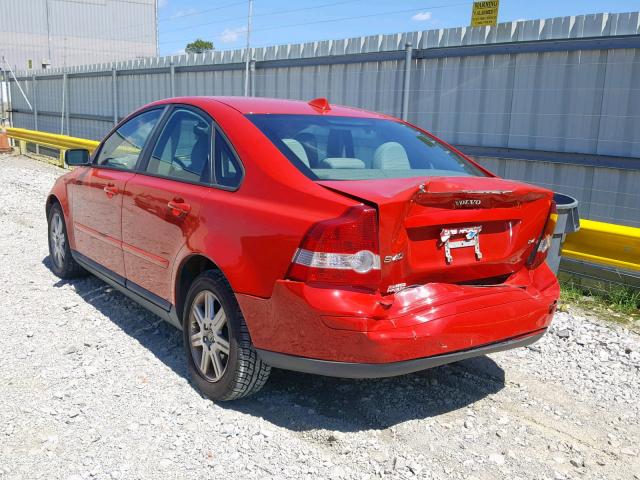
(260, 105)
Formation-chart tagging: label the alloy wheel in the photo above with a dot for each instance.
(209, 336)
(58, 239)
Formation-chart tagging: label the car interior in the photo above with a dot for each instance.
(351, 149)
(183, 149)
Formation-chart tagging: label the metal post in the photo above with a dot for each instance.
(408, 54)
(9, 99)
(114, 90)
(64, 102)
(35, 107)
(252, 69)
(247, 52)
(66, 105)
(2, 87)
(172, 79)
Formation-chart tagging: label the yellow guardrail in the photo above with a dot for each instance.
(51, 140)
(605, 244)
(595, 242)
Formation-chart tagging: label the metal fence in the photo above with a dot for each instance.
(533, 98)
(605, 194)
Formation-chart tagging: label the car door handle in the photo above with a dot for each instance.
(178, 207)
(110, 190)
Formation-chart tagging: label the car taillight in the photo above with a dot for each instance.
(539, 253)
(340, 251)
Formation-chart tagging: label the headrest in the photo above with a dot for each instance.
(391, 156)
(296, 147)
(201, 128)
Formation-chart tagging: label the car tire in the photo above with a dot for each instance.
(221, 359)
(62, 262)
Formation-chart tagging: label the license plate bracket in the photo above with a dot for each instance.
(471, 238)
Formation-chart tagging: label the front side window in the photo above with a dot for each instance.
(122, 149)
(349, 148)
(183, 150)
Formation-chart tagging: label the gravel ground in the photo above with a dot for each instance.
(93, 387)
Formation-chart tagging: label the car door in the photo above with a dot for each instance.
(98, 192)
(161, 206)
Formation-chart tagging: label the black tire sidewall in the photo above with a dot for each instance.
(222, 388)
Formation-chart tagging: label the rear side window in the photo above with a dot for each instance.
(348, 148)
(122, 149)
(183, 150)
(228, 169)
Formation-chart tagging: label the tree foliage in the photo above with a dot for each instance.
(199, 46)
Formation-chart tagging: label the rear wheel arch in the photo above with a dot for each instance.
(224, 339)
(189, 269)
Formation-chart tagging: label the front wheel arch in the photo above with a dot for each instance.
(51, 201)
(66, 266)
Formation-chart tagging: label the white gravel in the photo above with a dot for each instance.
(93, 387)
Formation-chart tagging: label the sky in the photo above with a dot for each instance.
(275, 22)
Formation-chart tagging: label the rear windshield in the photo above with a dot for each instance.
(347, 148)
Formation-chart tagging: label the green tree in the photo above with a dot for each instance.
(199, 46)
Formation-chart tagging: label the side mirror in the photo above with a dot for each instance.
(76, 156)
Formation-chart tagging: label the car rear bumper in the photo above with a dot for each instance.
(308, 328)
(379, 370)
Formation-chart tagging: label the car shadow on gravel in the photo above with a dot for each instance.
(302, 402)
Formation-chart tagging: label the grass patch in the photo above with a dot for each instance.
(610, 301)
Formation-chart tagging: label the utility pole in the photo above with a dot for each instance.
(246, 66)
(46, 3)
(157, 31)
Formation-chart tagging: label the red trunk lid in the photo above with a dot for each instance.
(462, 230)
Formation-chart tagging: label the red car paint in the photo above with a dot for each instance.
(144, 228)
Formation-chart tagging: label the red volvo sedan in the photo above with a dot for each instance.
(305, 236)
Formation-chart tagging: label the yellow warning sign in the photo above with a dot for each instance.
(485, 13)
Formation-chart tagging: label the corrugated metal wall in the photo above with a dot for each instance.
(566, 85)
